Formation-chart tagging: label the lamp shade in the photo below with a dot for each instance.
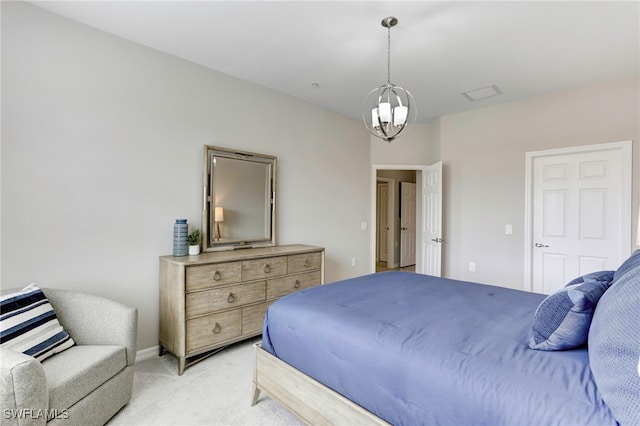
(399, 116)
(218, 214)
(384, 110)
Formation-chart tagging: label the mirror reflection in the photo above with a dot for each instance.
(239, 208)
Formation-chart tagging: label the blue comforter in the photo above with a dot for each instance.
(415, 349)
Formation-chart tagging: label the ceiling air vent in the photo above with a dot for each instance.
(482, 93)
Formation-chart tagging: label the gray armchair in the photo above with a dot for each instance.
(84, 385)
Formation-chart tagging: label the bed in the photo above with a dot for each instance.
(405, 348)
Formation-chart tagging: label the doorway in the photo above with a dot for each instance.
(420, 246)
(390, 213)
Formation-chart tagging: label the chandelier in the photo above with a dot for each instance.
(388, 109)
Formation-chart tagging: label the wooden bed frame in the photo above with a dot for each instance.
(310, 400)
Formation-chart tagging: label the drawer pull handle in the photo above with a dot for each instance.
(307, 263)
(217, 329)
(267, 268)
(297, 284)
(231, 298)
(217, 276)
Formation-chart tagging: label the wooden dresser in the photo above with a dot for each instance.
(218, 298)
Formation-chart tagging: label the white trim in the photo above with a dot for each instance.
(372, 231)
(148, 353)
(627, 169)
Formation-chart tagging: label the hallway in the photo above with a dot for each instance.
(382, 266)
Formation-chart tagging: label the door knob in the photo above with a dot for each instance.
(541, 245)
(437, 240)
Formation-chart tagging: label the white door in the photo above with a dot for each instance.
(432, 220)
(383, 222)
(581, 213)
(407, 224)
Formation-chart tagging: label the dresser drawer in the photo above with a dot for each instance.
(253, 318)
(280, 286)
(209, 330)
(216, 299)
(303, 262)
(263, 268)
(204, 276)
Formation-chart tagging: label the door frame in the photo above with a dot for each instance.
(420, 169)
(627, 170)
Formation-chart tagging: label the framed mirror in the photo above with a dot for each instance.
(239, 208)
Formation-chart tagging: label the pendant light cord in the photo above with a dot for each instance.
(389, 55)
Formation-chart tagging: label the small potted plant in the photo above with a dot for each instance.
(194, 242)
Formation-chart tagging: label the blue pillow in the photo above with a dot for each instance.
(627, 265)
(562, 320)
(594, 276)
(614, 347)
(28, 324)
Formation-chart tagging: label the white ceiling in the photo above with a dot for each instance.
(439, 49)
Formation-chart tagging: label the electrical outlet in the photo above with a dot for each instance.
(472, 266)
(508, 229)
(353, 261)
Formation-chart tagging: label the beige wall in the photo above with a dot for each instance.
(483, 152)
(398, 175)
(417, 147)
(102, 150)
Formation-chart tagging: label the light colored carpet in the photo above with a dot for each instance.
(215, 391)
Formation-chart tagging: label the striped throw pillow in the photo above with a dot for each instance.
(28, 324)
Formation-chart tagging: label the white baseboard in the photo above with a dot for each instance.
(147, 353)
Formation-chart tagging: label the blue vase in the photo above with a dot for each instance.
(180, 243)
